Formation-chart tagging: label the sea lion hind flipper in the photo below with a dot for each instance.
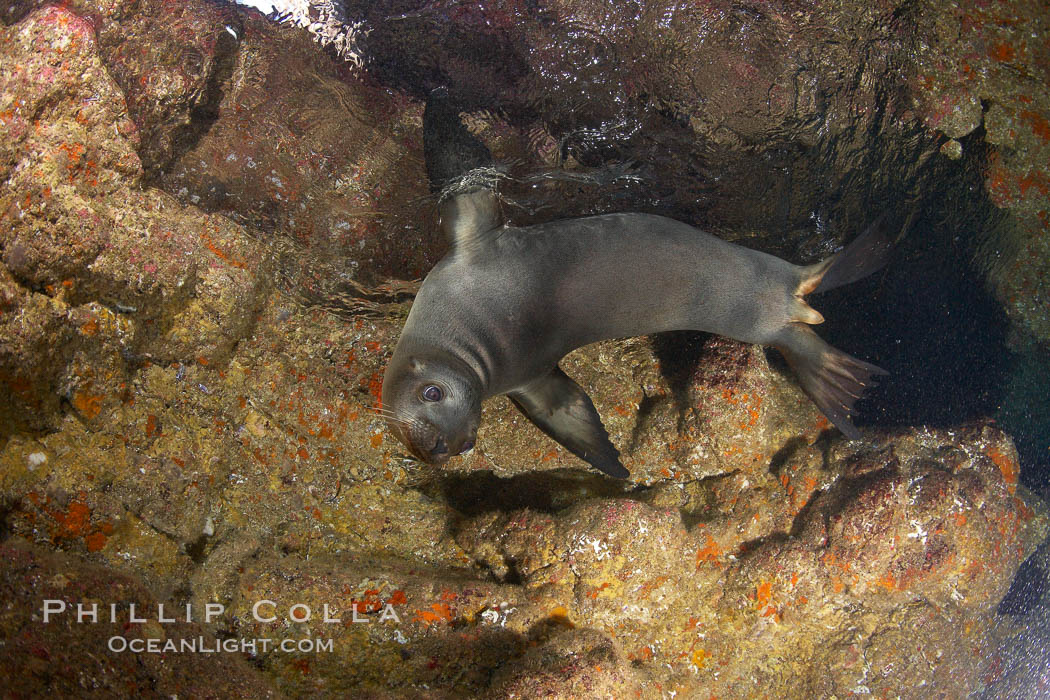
(833, 379)
(560, 408)
(869, 252)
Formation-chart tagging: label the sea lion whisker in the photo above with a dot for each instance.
(381, 412)
(398, 419)
(401, 421)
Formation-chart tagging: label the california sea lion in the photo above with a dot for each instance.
(499, 311)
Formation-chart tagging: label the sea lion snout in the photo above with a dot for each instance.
(428, 444)
(440, 449)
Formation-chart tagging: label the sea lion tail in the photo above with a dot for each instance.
(865, 255)
(833, 379)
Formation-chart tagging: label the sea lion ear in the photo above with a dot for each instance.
(560, 408)
(461, 171)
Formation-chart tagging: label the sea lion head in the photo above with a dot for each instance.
(432, 404)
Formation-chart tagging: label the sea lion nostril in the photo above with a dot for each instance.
(439, 448)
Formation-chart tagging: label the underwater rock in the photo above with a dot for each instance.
(577, 663)
(393, 626)
(65, 656)
(911, 533)
(120, 267)
(976, 59)
(677, 411)
(170, 60)
(300, 147)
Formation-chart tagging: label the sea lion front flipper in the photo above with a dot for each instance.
(466, 215)
(559, 407)
(461, 171)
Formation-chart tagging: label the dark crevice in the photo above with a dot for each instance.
(926, 317)
(196, 550)
(6, 508)
(513, 575)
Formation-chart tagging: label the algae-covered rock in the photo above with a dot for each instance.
(574, 664)
(713, 407)
(119, 274)
(914, 533)
(976, 69)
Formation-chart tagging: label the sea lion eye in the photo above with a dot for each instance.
(432, 392)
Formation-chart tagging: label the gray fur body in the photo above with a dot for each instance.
(498, 312)
(516, 301)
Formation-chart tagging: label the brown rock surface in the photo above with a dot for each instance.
(910, 534)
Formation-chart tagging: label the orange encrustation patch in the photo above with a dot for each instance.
(74, 521)
(95, 541)
(595, 592)
(560, 615)
(1040, 125)
(643, 654)
(219, 253)
(1023, 511)
(88, 404)
(439, 612)
(1002, 52)
(375, 387)
(1006, 465)
(709, 552)
(763, 594)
